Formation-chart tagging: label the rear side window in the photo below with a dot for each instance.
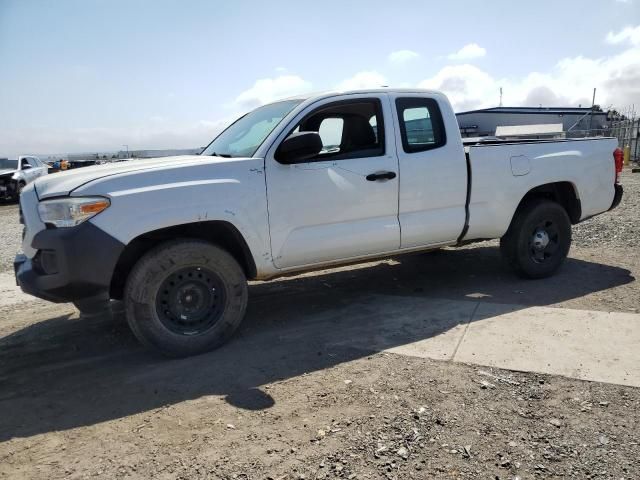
(421, 125)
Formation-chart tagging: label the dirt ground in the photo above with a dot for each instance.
(291, 398)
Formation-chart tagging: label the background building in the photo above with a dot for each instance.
(575, 121)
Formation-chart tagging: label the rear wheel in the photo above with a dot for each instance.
(185, 297)
(538, 239)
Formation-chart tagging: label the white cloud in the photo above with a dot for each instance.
(361, 80)
(466, 85)
(402, 56)
(268, 90)
(629, 35)
(569, 83)
(469, 51)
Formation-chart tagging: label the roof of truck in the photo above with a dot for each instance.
(331, 93)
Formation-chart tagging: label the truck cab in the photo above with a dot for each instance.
(298, 185)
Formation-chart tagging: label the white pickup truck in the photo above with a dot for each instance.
(297, 185)
(15, 174)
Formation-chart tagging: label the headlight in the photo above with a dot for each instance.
(71, 211)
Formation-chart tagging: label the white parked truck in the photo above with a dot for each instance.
(15, 174)
(297, 185)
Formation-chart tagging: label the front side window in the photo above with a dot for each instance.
(243, 137)
(348, 129)
(330, 131)
(421, 124)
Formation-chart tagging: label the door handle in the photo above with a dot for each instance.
(373, 177)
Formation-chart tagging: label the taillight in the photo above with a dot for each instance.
(618, 158)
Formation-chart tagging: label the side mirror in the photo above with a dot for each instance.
(298, 147)
(26, 166)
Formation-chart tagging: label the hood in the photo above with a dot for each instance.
(63, 183)
(7, 171)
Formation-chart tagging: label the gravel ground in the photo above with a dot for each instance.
(619, 227)
(82, 399)
(10, 235)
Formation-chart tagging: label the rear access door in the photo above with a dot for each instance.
(433, 169)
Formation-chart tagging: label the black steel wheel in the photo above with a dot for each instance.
(191, 300)
(185, 297)
(544, 241)
(538, 239)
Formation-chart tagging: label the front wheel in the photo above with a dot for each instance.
(185, 297)
(18, 190)
(538, 239)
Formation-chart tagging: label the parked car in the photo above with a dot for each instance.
(299, 185)
(16, 174)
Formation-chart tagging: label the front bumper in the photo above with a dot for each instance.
(7, 186)
(617, 197)
(70, 263)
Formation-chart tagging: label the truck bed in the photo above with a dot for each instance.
(501, 173)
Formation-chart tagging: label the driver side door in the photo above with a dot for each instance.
(28, 169)
(343, 203)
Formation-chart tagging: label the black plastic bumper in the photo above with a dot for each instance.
(71, 263)
(617, 197)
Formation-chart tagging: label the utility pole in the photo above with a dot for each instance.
(593, 103)
(500, 97)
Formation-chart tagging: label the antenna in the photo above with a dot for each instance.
(593, 103)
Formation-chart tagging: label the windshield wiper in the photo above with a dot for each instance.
(223, 155)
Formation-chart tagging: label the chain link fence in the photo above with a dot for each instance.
(626, 131)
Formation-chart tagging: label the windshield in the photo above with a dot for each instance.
(245, 135)
(4, 164)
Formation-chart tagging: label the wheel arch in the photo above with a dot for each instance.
(564, 193)
(218, 232)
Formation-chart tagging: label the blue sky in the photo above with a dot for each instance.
(92, 75)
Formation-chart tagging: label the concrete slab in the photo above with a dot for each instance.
(583, 344)
(588, 345)
(419, 326)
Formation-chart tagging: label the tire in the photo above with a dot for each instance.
(19, 187)
(538, 239)
(185, 297)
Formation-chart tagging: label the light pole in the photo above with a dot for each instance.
(127, 149)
